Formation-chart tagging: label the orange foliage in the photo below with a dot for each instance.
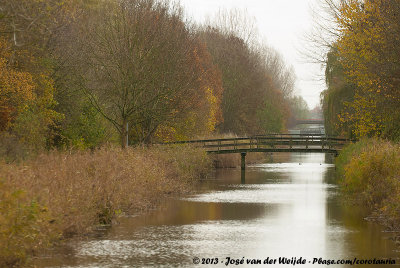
(203, 104)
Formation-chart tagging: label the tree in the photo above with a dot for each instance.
(256, 82)
(204, 107)
(137, 63)
(16, 89)
(368, 50)
(335, 98)
(26, 102)
(26, 28)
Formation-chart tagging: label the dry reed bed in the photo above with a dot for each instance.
(369, 172)
(58, 194)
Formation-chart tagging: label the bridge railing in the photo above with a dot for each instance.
(274, 141)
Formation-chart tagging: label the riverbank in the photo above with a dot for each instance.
(60, 194)
(280, 203)
(369, 173)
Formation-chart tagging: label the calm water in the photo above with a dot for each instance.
(289, 208)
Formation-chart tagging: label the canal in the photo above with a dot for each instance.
(288, 208)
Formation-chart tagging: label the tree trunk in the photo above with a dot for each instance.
(124, 134)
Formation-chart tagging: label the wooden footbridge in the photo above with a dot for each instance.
(301, 143)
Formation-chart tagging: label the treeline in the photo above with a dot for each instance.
(362, 101)
(77, 74)
(362, 70)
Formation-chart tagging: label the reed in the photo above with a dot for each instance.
(61, 194)
(370, 174)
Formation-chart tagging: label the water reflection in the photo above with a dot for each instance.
(287, 208)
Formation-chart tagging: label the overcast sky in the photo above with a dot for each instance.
(282, 24)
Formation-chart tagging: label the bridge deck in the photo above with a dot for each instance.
(309, 122)
(272, 150)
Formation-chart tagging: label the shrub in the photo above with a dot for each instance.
(23, 226)
(348, 153)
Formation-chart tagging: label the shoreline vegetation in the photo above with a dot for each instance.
(368, 173)
(76, 76)
(59, 194)
(362, 99)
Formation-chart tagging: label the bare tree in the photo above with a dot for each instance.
(318, 42)
(235, 22)
(284, 77)
(135, 59)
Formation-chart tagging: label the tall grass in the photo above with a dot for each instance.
(58, 195)
(370, 173)
(350, 151)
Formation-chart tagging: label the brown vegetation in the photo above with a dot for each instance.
(58, 195)
(80, 74)
(370, 174)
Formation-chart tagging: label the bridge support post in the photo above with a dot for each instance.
(243, 162)
(243, 167)
(243, 177)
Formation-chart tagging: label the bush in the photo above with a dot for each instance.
(23, 226)
(348, 153)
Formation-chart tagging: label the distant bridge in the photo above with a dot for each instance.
(309, 122)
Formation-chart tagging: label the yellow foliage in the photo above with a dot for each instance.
(213, 103)
(369, 171)
(26, 100)
(362, 30)
(16, 90)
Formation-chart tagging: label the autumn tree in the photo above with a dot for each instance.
(241, 97)
(257, 84)
(16, 89)
(26, 28)
(203, 113)
(367, 50)
(335, 99)
(140, 66)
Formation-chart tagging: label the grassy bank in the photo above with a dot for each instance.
(369, 172)
(58, 195)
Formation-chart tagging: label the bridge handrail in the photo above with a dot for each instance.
(308, 136)
(289, 134)
(288, 137)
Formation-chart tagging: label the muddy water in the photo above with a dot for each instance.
(288, 208)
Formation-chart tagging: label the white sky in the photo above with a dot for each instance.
(283, 24)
